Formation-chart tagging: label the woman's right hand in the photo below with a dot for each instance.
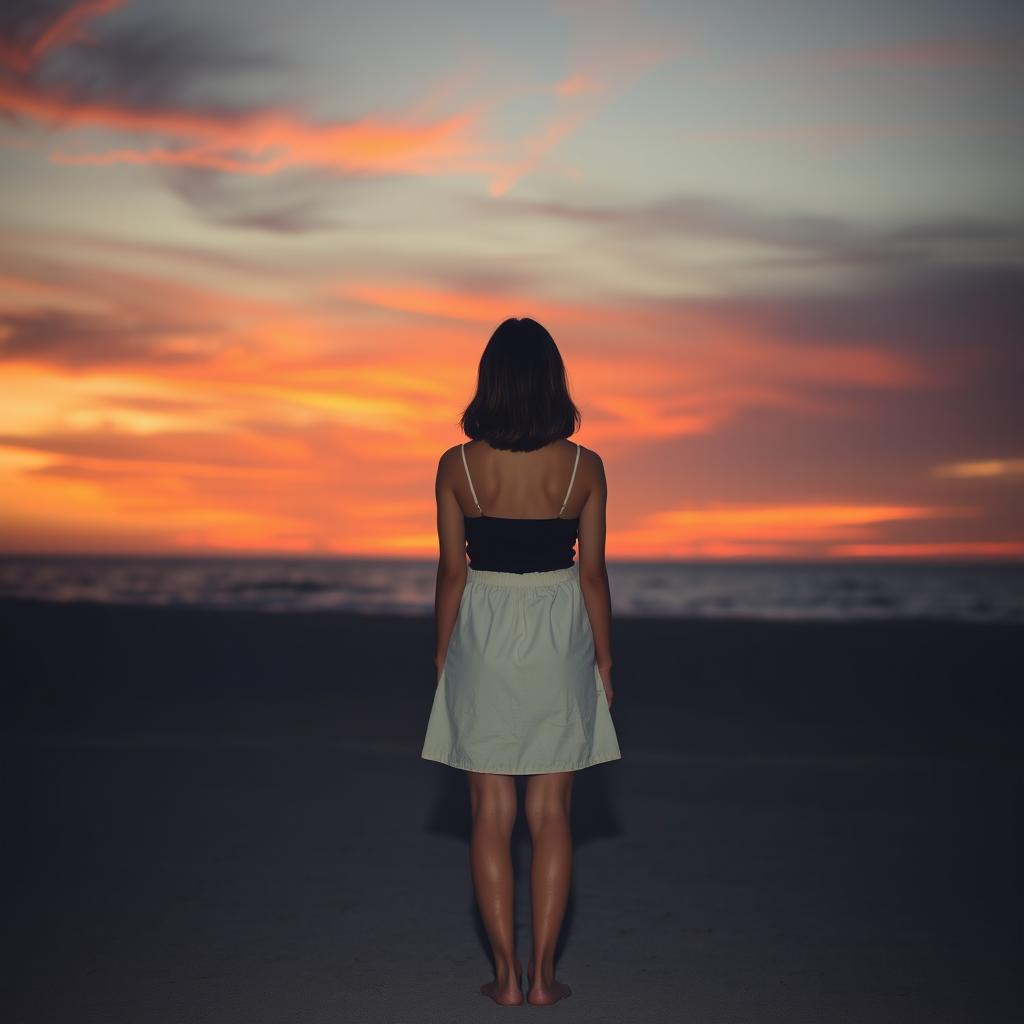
(605, 673)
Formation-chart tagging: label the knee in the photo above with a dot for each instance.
(494, 811)
(547, 812)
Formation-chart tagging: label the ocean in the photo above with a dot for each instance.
(980, 592)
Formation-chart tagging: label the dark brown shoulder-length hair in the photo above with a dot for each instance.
(522, 397)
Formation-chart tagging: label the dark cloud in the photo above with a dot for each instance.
(155, 65)
(23, 21)
(91, 474)
(238, 201)
(802, 238)
(145, 62)
(19, 260)
(196, 447)
(153, 403)
(930, 310)
(79, 341)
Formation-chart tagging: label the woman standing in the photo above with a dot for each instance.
(523, 636)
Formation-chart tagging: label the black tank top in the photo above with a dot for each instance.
(520, 545)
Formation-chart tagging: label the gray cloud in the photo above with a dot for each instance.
(808, 238)
(290, 207)
(81, 340)
(928, 310)
(144, 62)
(155, 65)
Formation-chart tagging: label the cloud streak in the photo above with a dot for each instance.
(132, 82)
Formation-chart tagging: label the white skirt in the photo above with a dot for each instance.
(520, 692)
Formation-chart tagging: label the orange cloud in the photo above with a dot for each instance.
(259, 143)
(982, 469)
(784, 531)
(576, 85)
(775, 523)
(951, 549)
(315, 425)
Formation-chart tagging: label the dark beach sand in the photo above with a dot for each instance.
(219, 816)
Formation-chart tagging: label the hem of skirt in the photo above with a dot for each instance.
(468, 766)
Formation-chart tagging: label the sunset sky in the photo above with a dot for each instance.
(252, 252)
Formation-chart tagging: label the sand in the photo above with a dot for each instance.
(218, 816)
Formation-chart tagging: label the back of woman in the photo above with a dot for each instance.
(523, 631)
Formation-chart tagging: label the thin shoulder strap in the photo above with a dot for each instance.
(468, 477)
(571, 479)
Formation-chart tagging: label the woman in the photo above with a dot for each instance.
(523, 636)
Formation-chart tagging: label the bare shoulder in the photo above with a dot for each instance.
(449, 454)
(446, 462)
(592, 463)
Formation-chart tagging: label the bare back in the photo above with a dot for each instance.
(522, 485)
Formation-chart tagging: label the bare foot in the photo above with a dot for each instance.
(544, 992)
(505, 990)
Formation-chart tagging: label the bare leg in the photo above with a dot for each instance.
(548, 799)
(492, 801)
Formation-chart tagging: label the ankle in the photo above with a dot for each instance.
(542, 968)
